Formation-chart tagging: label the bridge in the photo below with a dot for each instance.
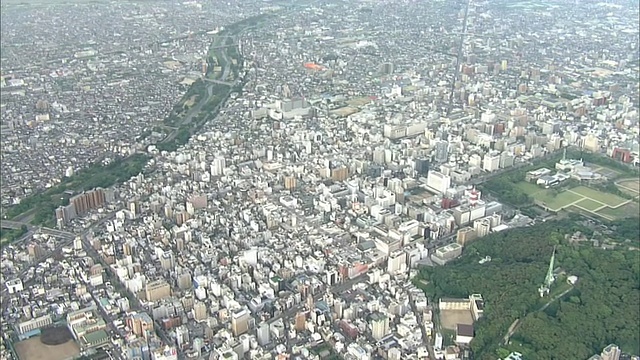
(8, 224)
(218, 82)
(13, 225)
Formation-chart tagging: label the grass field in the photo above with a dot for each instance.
(606, 199)
(581, 199)
(589, 204)
(631, 209)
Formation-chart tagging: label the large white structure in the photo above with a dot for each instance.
(438, 182)
(491, 162)
(14, 286)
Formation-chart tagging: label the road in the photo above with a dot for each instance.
(425, 339)
(459, 56)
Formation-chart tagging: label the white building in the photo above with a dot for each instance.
(14, 286)
(491, 162)
(438, 182)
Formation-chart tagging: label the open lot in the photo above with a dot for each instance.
(34, 349)
(604, 171)
(450, 318)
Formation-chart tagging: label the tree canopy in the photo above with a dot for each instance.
(602, 308)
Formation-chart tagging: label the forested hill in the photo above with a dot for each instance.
(602, 308)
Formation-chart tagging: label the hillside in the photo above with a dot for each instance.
(603, 307)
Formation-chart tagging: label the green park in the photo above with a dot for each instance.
(609, 199)
(561, 325)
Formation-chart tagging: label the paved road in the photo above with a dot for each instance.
(459, 56)
(425, 339)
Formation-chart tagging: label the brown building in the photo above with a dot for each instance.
(200, 311)
(240, 322)
(466, 235)
(157, 290)
(140, 324)
(35, 251)
(290, 182)
(339, 174)
(300, 321)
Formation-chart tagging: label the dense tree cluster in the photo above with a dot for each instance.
(11, 235)
(602, 308)
(96, 175)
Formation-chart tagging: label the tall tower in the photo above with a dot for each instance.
(548, 279)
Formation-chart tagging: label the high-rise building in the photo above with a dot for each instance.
(611, 352)
(199, 311)
(465, 235)
(140, 324)
(422, 166)
(442, 151)
(379, 325)
(240, 322)
(264, 334)
(290, 182)
(397, 262)
(218, 165)
(300, 321)
(438, 182)
(491, 162)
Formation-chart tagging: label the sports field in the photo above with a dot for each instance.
(580, 198)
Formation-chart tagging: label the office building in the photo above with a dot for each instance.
(240, 322)
(157, 290)
(441, 151)
(379, 325)
(438, 182)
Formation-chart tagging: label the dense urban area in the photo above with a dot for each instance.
(320, 179)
